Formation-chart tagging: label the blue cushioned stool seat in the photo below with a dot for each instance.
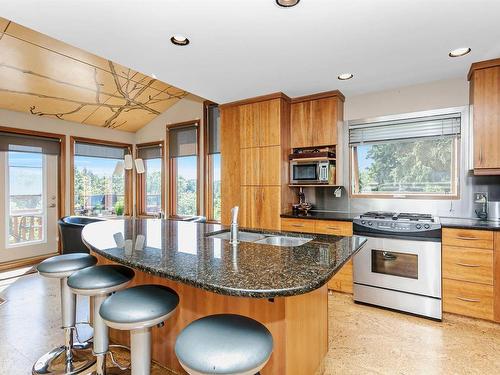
(224, 344)
(64, 265)
(102, 279)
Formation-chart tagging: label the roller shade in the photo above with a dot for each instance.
(28, 143)
(100, 151)
(213, 118)
(149, 152)
(183, 141)
(423, 127)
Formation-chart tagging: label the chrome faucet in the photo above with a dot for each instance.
(233, 234)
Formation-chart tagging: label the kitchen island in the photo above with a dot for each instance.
(282, 287)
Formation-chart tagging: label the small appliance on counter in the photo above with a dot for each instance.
(481, 205)
(400, 265)
(302, 207)
(314, 166)
(494, 210)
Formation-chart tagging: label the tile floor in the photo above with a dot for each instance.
(363, 339)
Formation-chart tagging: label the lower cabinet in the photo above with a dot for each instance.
(471, 273)
(342, 280)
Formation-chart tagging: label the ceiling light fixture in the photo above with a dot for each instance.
(287, 3)
(459, 52)
(179, 40)
(344, 76)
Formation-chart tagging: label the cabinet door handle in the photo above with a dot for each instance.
(467, 265)
(481, 154)
(468, 299)
(466, 238)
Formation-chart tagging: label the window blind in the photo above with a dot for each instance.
(183, 141)
(411, 128)
(149, 152)
(29, 143)
(213, 118)
(100, 151)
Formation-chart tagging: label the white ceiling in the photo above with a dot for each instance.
(241, 49)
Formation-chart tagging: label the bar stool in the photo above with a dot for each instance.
(69, 358)
(99, 282)
(224, 344)
(137, 309)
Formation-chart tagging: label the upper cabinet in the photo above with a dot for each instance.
(260, 124)
(484, 80)
(315, 119)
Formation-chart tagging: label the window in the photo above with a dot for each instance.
(213, 162)
(415, 157)
(100, 182)
(183, 141)
(150, 183)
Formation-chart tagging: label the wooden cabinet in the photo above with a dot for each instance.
(484, 80)
(480, 239)
(470, 273)
(256, 137)
(469, 299)
(315, 119)
(342, 280)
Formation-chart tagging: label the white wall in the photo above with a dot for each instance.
(187, 109)
(422, 97)
(22, 120)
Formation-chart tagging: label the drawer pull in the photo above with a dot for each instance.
(466, 238)
(468, 265)
(468, 299)
(298, 225)
(334, 228)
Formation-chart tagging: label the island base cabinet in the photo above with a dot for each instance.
(298, 324)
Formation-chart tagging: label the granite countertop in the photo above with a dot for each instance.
(323, 215)
(469, 223)
(181, 251)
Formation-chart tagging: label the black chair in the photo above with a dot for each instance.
(70, 229)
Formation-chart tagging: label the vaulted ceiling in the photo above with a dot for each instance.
(46, 77)
(244, 48)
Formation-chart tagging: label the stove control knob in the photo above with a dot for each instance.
(363, 222)
(427, 226)
(418, 226)
(370, 223)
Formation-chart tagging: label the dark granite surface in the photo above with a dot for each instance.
(323, 215)
(181, 251)
(464, 223)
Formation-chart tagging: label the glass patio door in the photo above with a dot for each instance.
(28, 203)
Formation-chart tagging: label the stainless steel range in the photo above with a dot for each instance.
(400, 265)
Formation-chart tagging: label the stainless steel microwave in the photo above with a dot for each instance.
(312, 172)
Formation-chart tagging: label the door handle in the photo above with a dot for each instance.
(468, 299)
(468, 265)
(466, 238)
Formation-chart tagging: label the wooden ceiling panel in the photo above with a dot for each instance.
(46, 77)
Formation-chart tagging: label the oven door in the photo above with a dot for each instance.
(304, 172)
(403, 265)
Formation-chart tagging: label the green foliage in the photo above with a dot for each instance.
(415, 166)
(119, 208)
(216, 200)
(186, 196)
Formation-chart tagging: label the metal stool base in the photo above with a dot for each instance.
(54, 362)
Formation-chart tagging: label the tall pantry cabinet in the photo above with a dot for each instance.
(255, 143)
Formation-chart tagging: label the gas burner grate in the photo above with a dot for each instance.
(378, 215)
(415, 217)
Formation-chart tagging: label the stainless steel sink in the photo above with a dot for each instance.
(242, 236)
(284, 241)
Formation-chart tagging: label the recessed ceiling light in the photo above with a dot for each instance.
(459, 52)
(287, 3)
(179, 40)
(345, 76)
